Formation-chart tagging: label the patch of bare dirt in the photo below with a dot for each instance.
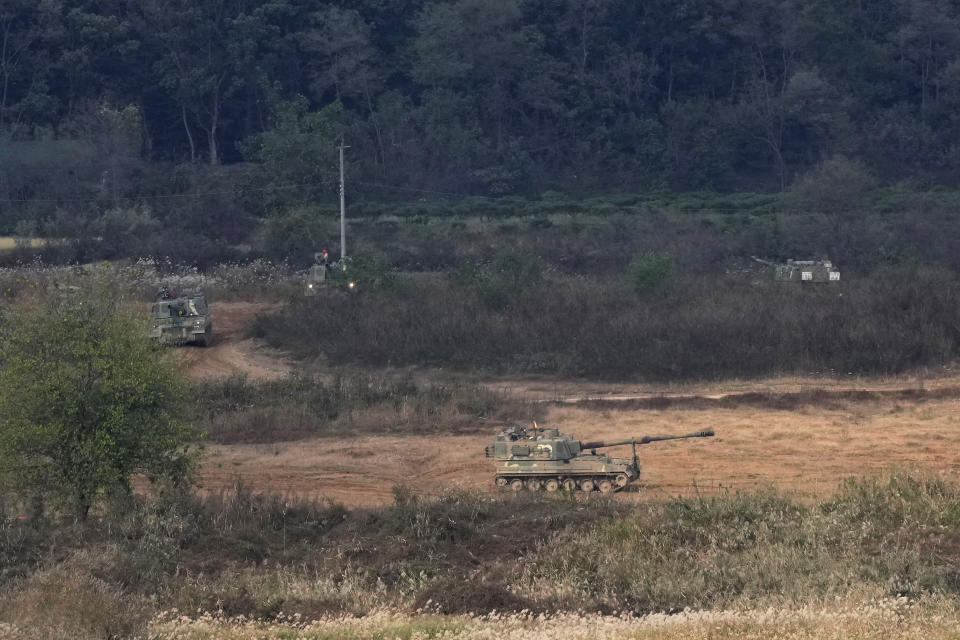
(232, 352)
(359, 471)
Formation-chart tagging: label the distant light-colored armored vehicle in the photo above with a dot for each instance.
(324, 273)
(317, 275)
(181, 317)
(546, 459)
(803, 271)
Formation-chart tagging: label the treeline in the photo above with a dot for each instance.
(482, 96)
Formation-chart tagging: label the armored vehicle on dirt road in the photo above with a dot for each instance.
(546, 459)
(181, 317)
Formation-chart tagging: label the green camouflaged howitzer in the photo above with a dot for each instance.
(547, 459)
(181, 317)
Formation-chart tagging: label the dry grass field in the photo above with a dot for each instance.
(807, 450)
(7, 243)
(803, 435)
(930, 619)
(391, 549)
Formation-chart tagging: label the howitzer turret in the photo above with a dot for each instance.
(547, 459)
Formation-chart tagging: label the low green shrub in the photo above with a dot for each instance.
(650, 271)
(362, 271)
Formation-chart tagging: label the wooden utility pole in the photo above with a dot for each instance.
(343, 210)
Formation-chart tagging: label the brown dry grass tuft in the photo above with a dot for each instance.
(63, 603)
(239, 410)
(929, 619)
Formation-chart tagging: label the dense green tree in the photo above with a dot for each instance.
(836, 188)
(203, 61)
(340, 56)
(298, 154)
(86, 401)
(299, 233)
(26, 26)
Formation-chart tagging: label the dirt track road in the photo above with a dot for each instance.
(808, 449)
(232, 352)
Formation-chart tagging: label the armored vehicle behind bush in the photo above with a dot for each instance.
(181, 317)
(546, 459)
(803, 271)
(317, 274)
(806, 271)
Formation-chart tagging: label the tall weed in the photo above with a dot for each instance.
(237, 409)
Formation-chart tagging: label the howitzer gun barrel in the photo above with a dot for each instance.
(645, 439)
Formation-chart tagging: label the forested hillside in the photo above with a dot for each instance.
(208, 108)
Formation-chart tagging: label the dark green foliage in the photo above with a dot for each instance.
(297, 156)
(836, 186)
(507, 275)
(299, 233)
(361, 272)
(489, 98)
(650, 271)
(86, 401)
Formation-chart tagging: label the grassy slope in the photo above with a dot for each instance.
(260, 556)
